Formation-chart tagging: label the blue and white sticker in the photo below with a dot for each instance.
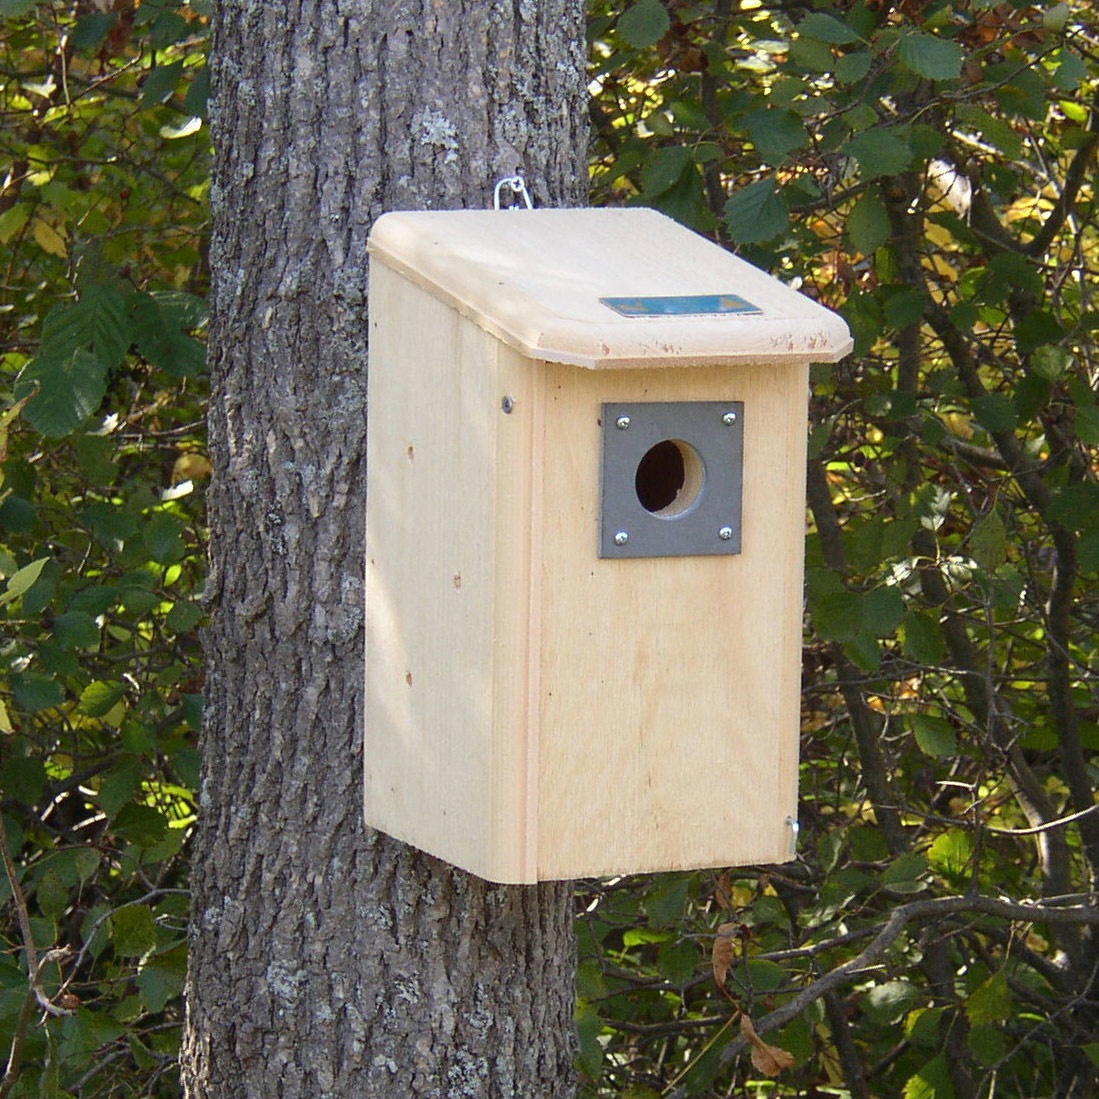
(683, 305)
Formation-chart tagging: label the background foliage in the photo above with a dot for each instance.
(928, 170)
(103, 166)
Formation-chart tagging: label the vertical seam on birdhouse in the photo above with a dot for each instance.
(536, 537)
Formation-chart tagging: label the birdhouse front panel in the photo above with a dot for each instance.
(583, 646)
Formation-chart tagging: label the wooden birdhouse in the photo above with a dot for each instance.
(585, 524)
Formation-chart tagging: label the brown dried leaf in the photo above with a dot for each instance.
(725, 943)
(768, 1059)
(723, 892)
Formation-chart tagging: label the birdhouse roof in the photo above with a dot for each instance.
(607, 288)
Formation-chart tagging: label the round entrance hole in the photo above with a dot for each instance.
(669, 478)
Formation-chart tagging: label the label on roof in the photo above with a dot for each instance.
(684, 305)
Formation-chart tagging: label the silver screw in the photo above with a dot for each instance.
(725, 533)
(507, 404)
(729, 418)
(622, 423)
(621, 538)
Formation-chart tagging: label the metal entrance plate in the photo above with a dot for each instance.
(672, 478)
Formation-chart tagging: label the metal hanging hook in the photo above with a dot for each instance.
(517, 185)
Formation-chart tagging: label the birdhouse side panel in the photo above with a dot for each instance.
(442, 744)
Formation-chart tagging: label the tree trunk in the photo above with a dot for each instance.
(327, 961)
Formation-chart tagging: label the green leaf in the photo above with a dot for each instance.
(198, 95)
(905, 873)
(161, 978)
(22, 581)
(52, 896)
(882, 611)
(187, 311)
(119, 785)
(91, 30)
(667, 900)
(133, 930)
(852, 67)
(663, 169)
(992, 1001)
(1075, 506)
(931, 1082)
(109, 524)
(994, 130)
(890, 1001)
(923, 638)
(1087, 425)
(678, 962)
(11, 8)
(776, 133)
(69, 390)
(1050, 362)
(35, 691)
(988, 1044)
(13, 219)
(935, 736)
(1088, 549)
(99, 322)
(812, 55)
(161, 83)
(868, 223)
(905, 307)
(23, 778)
(589, 1025)
(643, 24)
(95, 453)
(159, 336)
(184, 616)
(988, 541)
(99, 698)
(75, 865)
(167, 29)
(995, 413)
(163, 538)
(140, 824)
(837, 616)
(930, 57)
(826, 28)
(952, 854)
(76, 630)
(1018, 90)
(757, 212)
(880, 152)
(192, 710)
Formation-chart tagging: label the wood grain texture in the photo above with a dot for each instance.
(448, 583)
(535, 279)
(669, 710)
(534, 711)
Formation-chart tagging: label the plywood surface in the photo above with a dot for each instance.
(670, 687)
(448, 572)
(534, 711)
(534, 278)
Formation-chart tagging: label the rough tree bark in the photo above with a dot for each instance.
(329, 962)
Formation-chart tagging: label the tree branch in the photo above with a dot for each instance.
(864, 722)
(1079, 915)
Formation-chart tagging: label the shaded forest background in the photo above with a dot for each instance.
(927, 170)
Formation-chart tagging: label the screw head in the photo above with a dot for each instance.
(729, 418)
(621, 538)
(507, 404)
(725, 533)
(622, 423)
